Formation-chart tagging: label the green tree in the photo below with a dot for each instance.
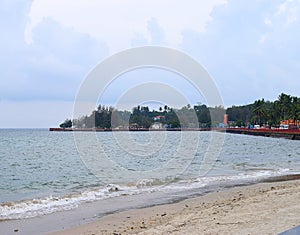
(285, 103)
(66, 124)
(260, 112)
(295, 109)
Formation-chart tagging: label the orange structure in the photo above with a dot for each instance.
(290, 122)
(226, 119)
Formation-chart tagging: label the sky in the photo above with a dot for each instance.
(48, 48)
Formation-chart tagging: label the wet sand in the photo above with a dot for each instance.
(265, 208)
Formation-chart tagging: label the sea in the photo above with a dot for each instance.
(43, 172)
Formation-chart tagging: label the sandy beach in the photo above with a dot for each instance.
(265, 208)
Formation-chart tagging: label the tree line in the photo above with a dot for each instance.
(260, 112)
(267, 113)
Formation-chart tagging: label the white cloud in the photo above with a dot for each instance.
(247, 58)
(117, 22)
(281, 8)
(290, 10)
(263, 38)
(268, 22)
(249, 47)
(293, 15)
(281, 20)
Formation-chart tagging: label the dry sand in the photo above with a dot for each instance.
(267, 208)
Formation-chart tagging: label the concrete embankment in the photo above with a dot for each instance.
(276, 133)
(128, 129)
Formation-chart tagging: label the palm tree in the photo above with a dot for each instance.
(165, 108)
(285, 102)
(295, 109)
(260, 111)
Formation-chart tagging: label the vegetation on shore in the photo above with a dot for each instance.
(263, 112)
(260, 112)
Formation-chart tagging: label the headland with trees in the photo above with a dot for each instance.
(261, 112)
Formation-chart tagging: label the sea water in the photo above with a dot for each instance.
(43, 172)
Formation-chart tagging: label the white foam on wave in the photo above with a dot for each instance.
(51, 204)
(210, 180)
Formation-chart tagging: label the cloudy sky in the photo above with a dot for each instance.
(48, 47)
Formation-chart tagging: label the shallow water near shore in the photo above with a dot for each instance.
(44, 172)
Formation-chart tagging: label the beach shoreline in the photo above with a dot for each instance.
(264, 208)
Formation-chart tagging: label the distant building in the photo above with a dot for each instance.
(159, 118)
(289, 124)
(157, 125)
